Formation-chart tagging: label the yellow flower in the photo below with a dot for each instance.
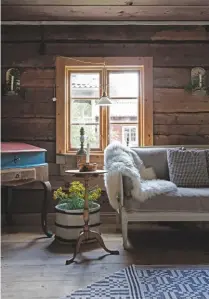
(58, 193)
(76, 190)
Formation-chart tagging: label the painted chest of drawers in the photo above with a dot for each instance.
(21, 164)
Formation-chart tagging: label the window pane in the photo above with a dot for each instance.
(124, 110)
(92, 134)
(124, 134)
(84, 85)
(123, 84)
(132, 135)
(84, 111)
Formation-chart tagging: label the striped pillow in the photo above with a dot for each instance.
(188, 168)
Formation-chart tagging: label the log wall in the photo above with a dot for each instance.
(179, 118)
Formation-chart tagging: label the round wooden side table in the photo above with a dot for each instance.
(87, 233)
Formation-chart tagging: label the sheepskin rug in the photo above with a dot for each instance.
(121, 161)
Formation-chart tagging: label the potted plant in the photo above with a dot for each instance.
(69, 211)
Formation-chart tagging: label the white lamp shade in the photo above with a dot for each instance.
(104, 100)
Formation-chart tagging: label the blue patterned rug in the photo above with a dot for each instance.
(140, 282)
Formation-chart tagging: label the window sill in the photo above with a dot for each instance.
(71, 158)
(92, 153)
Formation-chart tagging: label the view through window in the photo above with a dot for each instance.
(124, 93)
(123, 114)
(84, 112)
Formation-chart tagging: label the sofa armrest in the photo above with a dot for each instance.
(121, 195)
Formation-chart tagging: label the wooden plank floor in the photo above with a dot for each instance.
(33, 267)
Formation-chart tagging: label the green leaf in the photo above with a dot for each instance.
(74, 203)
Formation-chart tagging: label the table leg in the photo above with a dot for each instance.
(84, 234)
(86, 206)
(99, 239)
(87, 233)
(81, 238)
(47, 198)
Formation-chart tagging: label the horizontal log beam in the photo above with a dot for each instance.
(107, 2)
(39, 77)
(178, 100)
(105, 23)
(28, 109)
(180, 140)
(104, 33)
(181, 118)
(196, 130)
(26, 129)
(39, 95)
(104, 13)
(29, 96)
(24, 59)
(198, 33)
(169, 55)
(171, 77)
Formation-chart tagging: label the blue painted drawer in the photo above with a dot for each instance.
(21, 155)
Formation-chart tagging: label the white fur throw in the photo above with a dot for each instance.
(120, 160)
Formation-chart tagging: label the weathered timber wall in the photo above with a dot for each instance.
(179, 118)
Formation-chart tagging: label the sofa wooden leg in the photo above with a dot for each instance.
(118, 222)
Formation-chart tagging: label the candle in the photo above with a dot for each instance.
(12, 82)
(200, 80)
(88, 153)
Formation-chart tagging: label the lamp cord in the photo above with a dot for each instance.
(104, 84)
(97, 63)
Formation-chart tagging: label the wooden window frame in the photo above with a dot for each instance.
(68, 137)
(63, 64)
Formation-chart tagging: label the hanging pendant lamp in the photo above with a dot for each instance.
(104, 100)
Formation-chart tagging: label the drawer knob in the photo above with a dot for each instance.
(16, 159)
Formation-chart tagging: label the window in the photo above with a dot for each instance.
(83, 110)
(125, 93)
(129, 136)
(79, 85)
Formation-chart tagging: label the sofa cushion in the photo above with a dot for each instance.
(184, 199)
(155, 158)
(188, 168)
(148, 174)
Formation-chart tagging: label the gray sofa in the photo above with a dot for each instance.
(187, 204)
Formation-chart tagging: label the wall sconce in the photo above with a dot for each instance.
(198, 83)
(12, 85)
